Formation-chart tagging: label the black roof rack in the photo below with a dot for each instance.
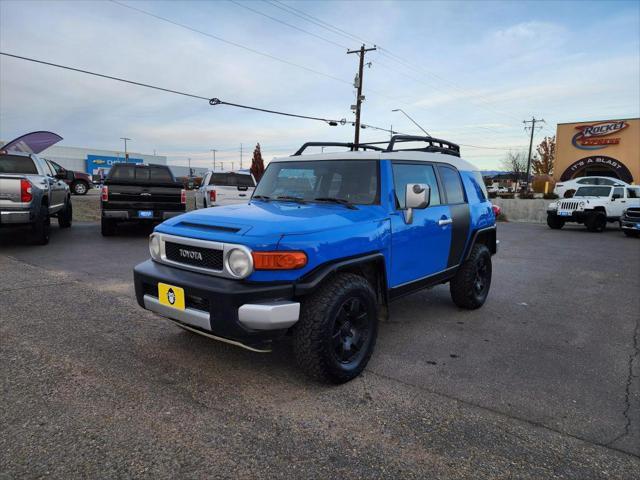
(435, 145)
(350, 146)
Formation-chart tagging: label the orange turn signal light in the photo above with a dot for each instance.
(279, 260)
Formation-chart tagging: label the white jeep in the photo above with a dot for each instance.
(593, 206)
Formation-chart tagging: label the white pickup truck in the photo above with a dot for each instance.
(593, 206)
(31, 192)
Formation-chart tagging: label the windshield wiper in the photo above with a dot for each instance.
(291, 198)
(265, 198)
(340, 201)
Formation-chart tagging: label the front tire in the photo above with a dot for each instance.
(336, 334)
(470, 287)
(554, 222)
(79, 188)
(596, 222)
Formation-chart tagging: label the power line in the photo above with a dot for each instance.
(229, 42)
(324, 39)
(212, 101)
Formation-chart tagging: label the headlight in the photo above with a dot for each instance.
(239, 263)
(581, 204)
(154, 246)
(553, 206)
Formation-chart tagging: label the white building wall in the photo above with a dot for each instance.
(75, 158)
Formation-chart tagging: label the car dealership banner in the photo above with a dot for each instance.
(99, 165)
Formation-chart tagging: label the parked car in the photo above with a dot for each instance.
(630, 221)
(568, 188)
(326, 242)
(79, 182)
(593, 206)
(139, 193)
(225, 188)
(31, 192)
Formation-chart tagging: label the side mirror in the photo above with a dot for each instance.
(416, 195)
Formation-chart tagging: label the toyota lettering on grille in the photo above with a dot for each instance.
(190, 254)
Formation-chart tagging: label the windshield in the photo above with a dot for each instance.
(353, 181)
(17, 164)
(593, 192)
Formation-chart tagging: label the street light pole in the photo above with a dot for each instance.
(213, 150)
(416, 123)
(126, 155)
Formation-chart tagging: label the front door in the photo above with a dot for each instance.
(419, 249)
(618, 202)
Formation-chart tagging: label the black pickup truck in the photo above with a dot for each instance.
(140, 193)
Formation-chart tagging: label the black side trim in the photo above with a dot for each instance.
(460, 232)
(426, 282)
(311, 280)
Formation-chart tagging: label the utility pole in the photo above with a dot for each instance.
(240, 156)
(533, 122)
(189, 167)
(358, 85)
(126, 155)
(213, 150)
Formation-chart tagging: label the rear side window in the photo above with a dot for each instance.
(452, 184)
(479, 185)
(405, 173)
(17, 164)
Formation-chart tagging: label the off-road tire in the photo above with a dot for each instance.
(470, 287)
(79, 187)
(596, 222)
(107, 227)
(554, 222)
(631, 233)
(41, 227)
(65, 216)
(313, 336)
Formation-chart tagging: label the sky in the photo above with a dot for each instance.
(469, 72)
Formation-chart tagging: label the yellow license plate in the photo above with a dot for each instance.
(171, 296)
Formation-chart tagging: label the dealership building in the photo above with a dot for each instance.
(608, 148)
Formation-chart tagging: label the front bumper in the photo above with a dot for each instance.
(15, 217)
(250, 315)
(628, 223)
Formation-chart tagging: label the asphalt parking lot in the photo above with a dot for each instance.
(542, 382)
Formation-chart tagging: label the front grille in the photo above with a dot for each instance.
(194, 256)
(633, 213)
(569, 205)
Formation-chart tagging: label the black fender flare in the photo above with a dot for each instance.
(493, 242)
(311, 280)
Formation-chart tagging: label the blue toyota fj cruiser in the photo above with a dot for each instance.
(326, 242)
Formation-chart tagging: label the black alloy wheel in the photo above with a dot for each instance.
(351, 331)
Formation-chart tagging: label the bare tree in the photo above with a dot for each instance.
(543, 162)
(516, 163)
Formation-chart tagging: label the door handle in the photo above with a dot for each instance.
(445, 221)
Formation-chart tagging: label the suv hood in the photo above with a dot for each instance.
(267, 219)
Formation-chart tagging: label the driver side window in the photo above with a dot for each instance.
(405, 173)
